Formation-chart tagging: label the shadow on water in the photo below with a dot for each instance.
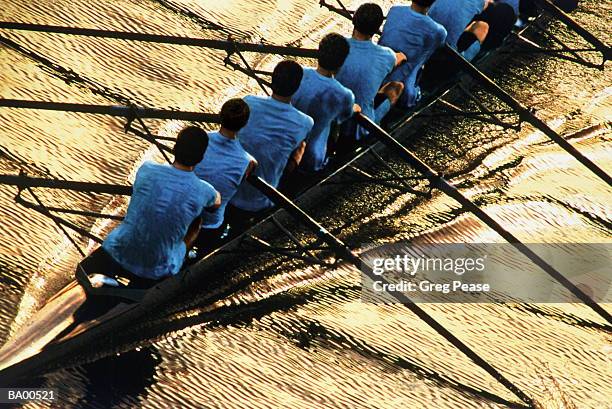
(105, 383)
(311, 335)
(110, 381)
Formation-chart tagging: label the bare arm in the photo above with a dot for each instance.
(400, 58)
(296, 158)
(252, 165)
(216, 204)
(217, 201)
(192, 232)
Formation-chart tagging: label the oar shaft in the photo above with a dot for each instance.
(344, 252)
(229, 46)
(442, 184)
(23, 182)
(112, 110)
(572, 24)
(526, 114)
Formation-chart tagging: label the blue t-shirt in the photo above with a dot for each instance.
(149, 242)
(417, 36)
(455, 16)
(364, 71)
(275, 129)
(326, 101)
(224, 165)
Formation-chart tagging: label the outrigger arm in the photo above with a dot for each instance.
(112, 110)
(24, 182)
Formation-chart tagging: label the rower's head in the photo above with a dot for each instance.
(422, 5)
(234, 116)
(367, 19)
(286, 79)
(333, 50)
(190, 146)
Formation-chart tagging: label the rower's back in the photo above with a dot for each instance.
(324, 99)
(166, 199)
(275, 129)
(455, 16)
(367, 64)
(417, 36)
(225, 162)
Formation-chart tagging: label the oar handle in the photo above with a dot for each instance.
(283, 201)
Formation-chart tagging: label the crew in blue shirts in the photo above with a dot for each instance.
(323, 98)
(162, 219)
(365, 70)
(410, 30)
(225, 165)
(275, 135)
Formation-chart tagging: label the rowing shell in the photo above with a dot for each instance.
(71, 323)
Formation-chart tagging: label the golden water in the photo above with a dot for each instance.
(301, 337)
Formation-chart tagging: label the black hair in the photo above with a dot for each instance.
(333, 50)
(368, 18)
(234, 114)
(424, 3)
(286, 78)
(190, 146)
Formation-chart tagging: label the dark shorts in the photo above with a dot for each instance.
(100, 262)
(209, 239)
(238, 219)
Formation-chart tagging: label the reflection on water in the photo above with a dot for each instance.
(296, 336)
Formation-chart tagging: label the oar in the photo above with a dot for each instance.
(438, 181)
(526, 114)
(342, 10)
(230, 46)
(559, 14)
(24, 182)
(112, 110)
(344, 252)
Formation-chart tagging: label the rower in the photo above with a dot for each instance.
(365, 69)
(324, 99)
(410, 30)
(275, 135)
(162, 219)
(463, 34)
(225, 165)
(500, 16)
